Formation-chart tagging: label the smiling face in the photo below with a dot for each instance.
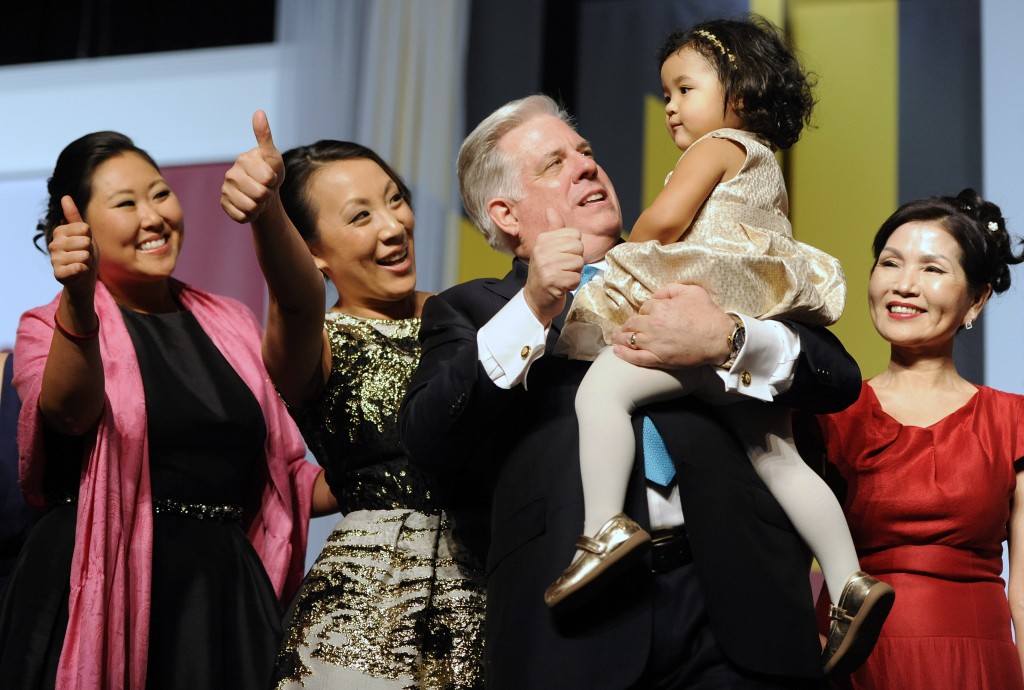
(364, 243)
(136, 223)
(694, 98)
(918, 294)
(558, 173)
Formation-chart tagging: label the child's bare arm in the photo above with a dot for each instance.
(705, 165)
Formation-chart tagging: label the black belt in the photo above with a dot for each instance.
(670, 549)
(197, 511)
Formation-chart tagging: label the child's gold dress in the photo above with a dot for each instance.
(740, 248)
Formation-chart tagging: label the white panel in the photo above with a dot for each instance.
(27, 279)
(1003, 141)
(389, 75)
(182, 107)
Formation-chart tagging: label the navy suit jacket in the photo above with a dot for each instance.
(517, 450)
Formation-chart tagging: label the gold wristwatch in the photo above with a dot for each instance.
(735, 340)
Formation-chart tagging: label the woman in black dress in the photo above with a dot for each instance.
(176, 487)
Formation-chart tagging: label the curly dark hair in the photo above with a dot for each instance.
(762, 79)
(301, 162)
(72, 175)
(977, 226)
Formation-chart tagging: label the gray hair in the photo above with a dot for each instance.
(486, 172)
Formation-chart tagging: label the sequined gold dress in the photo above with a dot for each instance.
(393, 601)
(740, 248)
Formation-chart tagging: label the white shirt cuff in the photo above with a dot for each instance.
(765, 364)
(510, 342)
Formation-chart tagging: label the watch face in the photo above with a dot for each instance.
(738, 338)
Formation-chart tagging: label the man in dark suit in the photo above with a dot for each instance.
(724, 599)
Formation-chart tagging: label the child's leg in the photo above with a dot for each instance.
(807, 500)
(607, 396)
(860, 603)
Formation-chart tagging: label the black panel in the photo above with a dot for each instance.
(44, 30)
(506, 45)
(940, 118)
(617, 67)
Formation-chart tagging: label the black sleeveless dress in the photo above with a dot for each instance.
(214, 619)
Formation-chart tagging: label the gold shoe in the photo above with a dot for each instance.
(856, 623)
(617, 539)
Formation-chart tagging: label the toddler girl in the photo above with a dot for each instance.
(734, 93)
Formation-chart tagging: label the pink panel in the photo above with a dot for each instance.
(218, 254)
(817, 580)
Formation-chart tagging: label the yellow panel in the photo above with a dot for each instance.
(843, 174)
(660, 152)
(476, 258)
(773, 10)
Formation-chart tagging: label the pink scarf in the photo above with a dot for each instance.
(108, 628)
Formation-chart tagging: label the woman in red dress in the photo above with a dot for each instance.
(932, 463)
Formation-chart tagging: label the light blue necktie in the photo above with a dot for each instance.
(658, 463)
(587, 273)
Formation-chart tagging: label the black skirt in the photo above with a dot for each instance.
(214, 618)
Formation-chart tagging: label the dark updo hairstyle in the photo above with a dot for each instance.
(977, 226)
(302, 162)
(761, 77)
(72, 175)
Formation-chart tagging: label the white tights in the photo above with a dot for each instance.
(613, 389)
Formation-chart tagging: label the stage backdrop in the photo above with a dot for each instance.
(916, 98)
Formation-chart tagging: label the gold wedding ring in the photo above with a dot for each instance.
(632, 340)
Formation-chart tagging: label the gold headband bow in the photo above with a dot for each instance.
(713, 40)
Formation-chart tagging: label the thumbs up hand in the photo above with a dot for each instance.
(556, 260)
(73, 254)
(251, 185)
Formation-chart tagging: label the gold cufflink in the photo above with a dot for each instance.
(745, 378)
(525, 352)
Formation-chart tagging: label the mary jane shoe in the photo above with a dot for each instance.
(619, 541)
(855, 623)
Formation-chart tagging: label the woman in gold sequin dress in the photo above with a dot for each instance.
(734, 93)
(393, 601)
